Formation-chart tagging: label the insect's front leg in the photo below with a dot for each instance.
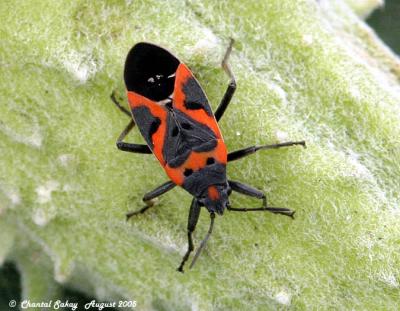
(165, 187)
(255, 193)
(194, 214)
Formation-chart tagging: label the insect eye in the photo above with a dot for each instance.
(188, 172)
(210, 161)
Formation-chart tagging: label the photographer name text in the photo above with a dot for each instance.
(66, 304)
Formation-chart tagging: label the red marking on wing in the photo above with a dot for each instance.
(136, 100)
(175, 174)
(182, 75)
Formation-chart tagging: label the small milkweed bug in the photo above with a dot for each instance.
(174, 117)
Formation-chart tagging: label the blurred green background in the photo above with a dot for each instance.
(385, 21)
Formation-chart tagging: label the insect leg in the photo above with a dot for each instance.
(135, 148)
(255, 193)
(194, 214)
(119, 106)
(165, 187)
(238, 154)
(231, 87)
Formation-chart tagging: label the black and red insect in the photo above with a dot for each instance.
(173, 115)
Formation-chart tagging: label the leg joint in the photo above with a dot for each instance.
(264, 198)
(148, 202)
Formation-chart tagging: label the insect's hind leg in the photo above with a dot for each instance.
(255, 193)
(194, 214)
(165, 187)
(231, 87)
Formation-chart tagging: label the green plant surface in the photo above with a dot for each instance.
(308, 70)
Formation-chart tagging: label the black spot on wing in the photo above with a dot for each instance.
(185, 135)
(210, 161)
(147, 123)
(188, 172)
(154, 126)
(194, 96)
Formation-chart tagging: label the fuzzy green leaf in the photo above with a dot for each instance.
(305, 70)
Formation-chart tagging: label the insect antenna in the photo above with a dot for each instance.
(203, 243)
